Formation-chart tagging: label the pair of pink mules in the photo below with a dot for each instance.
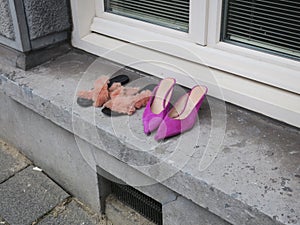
(180, 118)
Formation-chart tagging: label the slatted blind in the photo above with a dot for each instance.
(168, 13)
(271, 25)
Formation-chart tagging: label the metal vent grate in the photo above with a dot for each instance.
(168, 13)
(270, 25)
(135, 199)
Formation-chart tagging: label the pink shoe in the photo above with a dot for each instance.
(158, 105)
(183, 115)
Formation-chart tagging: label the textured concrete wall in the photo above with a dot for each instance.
(6, 24)
(45, 17)
(49, 147)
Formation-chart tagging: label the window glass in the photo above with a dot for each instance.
(272, 26)
(168, 13)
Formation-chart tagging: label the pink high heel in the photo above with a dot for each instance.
(158, 105)
(183, 115)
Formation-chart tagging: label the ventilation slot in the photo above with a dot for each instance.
(136, 200)
(143, 204)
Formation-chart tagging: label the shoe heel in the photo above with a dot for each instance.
(158, 105)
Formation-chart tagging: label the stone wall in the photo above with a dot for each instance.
(6, 24)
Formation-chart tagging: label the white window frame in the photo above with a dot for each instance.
(259, 81)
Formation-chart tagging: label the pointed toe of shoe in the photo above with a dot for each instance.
(159, 137)
(151, 124)
(168, 128)
(146, 130)
(163, 131)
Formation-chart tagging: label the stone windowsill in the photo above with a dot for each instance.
(252, 178)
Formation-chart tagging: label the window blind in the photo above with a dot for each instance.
(264, 24)
(168, 13)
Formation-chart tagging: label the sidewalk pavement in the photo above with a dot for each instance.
(29, 197)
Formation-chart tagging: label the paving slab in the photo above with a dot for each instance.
(11, 161)
(71, 213)
(27, 196)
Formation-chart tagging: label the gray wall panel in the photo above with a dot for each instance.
(45, 17)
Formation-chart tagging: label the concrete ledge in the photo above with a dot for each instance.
(253, 178)
(33, 58)
(182, 210)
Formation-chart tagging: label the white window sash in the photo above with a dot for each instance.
(197, 26)
(198, 21)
